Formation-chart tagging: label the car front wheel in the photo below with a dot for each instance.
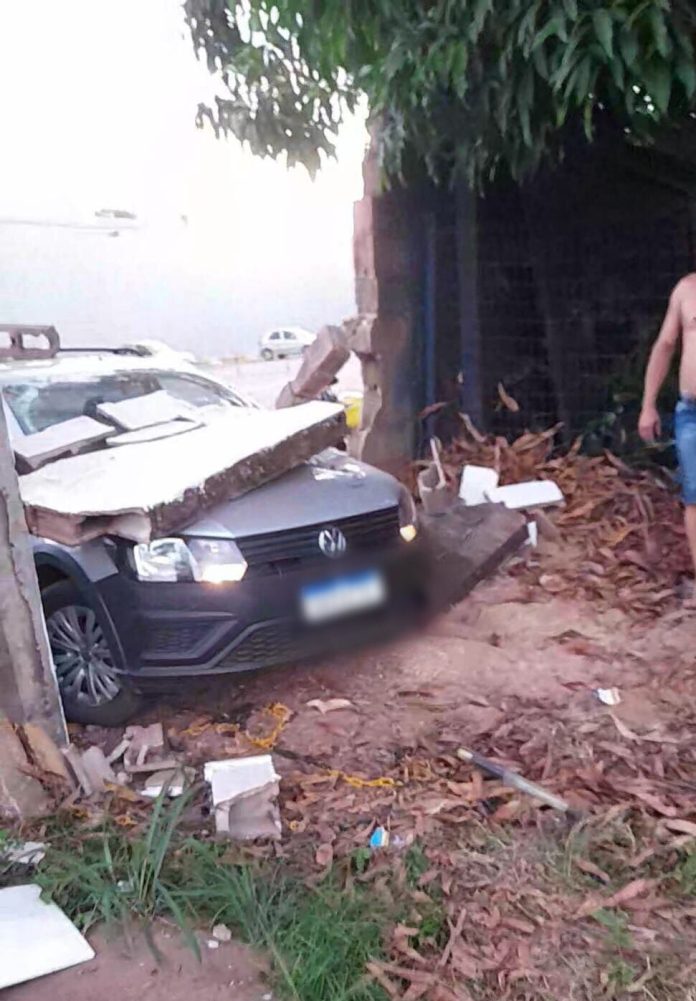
(91, 687)
(267, 354)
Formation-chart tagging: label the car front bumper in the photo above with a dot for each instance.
(191, 629)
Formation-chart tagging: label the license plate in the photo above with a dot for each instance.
(342, 596)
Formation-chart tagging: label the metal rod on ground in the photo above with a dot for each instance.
(514, 780)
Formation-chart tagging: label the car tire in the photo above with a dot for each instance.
(91, 688)
(267, 354)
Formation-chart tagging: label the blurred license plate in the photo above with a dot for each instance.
(343, 595)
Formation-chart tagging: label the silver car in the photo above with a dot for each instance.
(284, 342)
(315, 560)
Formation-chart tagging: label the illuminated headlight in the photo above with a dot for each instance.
(408, 521)
(210, 561)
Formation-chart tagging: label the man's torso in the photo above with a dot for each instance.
(687, 307)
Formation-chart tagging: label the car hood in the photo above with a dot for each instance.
(329, 487)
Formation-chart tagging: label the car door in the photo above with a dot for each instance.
(291, 343)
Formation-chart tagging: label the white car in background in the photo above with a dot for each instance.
(284, 342)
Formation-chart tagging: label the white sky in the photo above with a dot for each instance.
(97, 111)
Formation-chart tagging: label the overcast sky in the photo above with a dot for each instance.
(98, 106)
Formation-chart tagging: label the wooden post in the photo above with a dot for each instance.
(470, 328)
(28, 686)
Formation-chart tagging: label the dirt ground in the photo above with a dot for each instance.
(135, 971)
(510, 672)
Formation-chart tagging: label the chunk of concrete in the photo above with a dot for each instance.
(66, 438)
(322, 359)
(468, 544)
(145, 411)
(166, 484)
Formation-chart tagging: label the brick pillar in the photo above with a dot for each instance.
(386, 282)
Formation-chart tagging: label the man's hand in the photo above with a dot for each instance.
(649, 426)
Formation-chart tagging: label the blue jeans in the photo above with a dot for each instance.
(685, 436)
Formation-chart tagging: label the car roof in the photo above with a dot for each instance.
(87, 365)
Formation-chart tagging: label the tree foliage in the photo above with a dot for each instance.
(469, 86)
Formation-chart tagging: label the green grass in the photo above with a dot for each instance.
(318, 937)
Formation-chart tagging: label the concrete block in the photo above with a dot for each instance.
(322, 359)
(468, 544)
(358, 332)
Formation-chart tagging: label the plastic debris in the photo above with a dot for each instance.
(608, 696)
(212, 943)
(379, 838)
(513, 779)
(245, 797)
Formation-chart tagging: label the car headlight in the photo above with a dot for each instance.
(210, 561)
(408, 519)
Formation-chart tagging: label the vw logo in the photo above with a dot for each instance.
(332, 542)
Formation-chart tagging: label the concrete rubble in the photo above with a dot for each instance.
(145, 490)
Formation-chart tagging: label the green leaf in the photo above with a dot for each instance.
(659, 29)
(628, 43)
(571, 8)
(686, 72)
(604, 28)
(658, 83)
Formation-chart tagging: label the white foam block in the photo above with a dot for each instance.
(535, 493)
(476, 484)
(36, 938)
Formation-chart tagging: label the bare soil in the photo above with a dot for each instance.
(134, 971)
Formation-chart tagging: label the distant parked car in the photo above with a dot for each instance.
(285, 342)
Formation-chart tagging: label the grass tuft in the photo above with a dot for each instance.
(319, 938)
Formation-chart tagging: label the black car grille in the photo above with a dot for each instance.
(279, 552)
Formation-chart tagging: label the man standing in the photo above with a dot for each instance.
(679, 320)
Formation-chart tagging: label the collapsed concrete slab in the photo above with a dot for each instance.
(468, 544)
(322, 359)
(146, 490)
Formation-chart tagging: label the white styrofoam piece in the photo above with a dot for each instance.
(244, 793)
(139, 412)
(36, 938)
(532, 534)
(534, 493)
(237, 776)
(60, 439)
(476, 483)
(136, 478)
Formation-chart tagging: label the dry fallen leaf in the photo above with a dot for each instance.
(595, 902)
(324, 855)
(508, 401)
(329, 705)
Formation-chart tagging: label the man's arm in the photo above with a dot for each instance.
(658, 367)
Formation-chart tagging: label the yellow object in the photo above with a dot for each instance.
(281, 714)
(408, 532)
(384, 782)
(352, 404)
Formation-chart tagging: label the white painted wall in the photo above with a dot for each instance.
(102, 116)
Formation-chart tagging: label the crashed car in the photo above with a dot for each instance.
(323, 556)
